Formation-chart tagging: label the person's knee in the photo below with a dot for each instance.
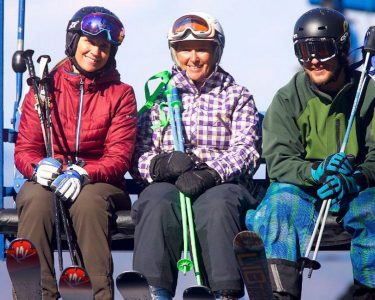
(89, 205)
(35, 200)
(159, 191)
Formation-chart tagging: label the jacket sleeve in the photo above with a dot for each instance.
(282, 146)
(30, 147)
(368, 164)
(145, 148)
(243, 153)
(119, 143)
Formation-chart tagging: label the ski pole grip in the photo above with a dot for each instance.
(44, 60)
(27, 56)
(369, 44)
(44, 56)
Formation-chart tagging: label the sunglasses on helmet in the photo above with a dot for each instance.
(321, 49)
(195, 24)
(96, 23)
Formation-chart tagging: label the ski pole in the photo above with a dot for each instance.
(44, 81)
(18, 64)
(184, 264)
(176, 123)
(67, 229)
(369, 49)
(33, 81)
(43, 60)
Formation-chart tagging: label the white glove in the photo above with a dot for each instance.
(69, 184)
(46, 171)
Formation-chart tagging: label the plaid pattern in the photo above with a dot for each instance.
(220, 123)
(286, 218)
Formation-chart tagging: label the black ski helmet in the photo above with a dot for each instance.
(74, 32)
(324, 23)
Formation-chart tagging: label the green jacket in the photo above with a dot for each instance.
(303, 125)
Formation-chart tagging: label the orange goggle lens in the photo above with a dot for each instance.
(194, 23)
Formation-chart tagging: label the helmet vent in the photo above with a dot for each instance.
(322, 28)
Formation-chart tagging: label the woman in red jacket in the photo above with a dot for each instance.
(93, 116)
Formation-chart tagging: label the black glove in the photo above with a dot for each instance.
(168, 166)
(194, 182)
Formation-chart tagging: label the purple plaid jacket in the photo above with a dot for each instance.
(221, 127)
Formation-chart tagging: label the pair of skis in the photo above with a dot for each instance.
(23, 266)
(249, 250)
(24, 270)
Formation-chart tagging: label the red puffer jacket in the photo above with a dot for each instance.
(108, 125)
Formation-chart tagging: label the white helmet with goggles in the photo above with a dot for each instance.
(197, 26)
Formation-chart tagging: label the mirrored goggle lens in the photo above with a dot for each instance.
(96, 23)
(196, 24)
(321, 50)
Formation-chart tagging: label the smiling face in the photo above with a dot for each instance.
(328, 76)
(197, 58)
(92, 53)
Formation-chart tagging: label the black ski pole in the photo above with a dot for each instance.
(58, 232)
(67, 229)
(33, 81)
(44, 81)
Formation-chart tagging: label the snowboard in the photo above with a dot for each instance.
(198, 292)
(23, 266)
(133, 285)
(251, 258)
(74, 284)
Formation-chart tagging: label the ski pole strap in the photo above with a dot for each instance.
(164, 78)
(164, 120)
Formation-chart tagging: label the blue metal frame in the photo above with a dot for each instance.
(363, 5)
(1, 118)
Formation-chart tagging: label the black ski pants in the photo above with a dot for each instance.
(219, 214)
(90, 215)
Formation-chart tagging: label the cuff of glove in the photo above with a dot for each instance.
(154, 165)
(314, 168)
(82, 172)
(215, 175)
(361, 179)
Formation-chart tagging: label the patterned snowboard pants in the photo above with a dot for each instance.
(286, 217)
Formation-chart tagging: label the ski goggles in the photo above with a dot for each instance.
(96, 23)
(321, 49)
(195, 24)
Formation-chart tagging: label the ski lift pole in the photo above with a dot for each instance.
(1, 120)
(184, 264)
(312, 264)
(18, 63)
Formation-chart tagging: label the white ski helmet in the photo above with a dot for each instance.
(197, 26)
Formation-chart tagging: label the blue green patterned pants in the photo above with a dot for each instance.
(286, 217)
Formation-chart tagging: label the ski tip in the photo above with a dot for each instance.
(247, 238)
(75, 277)
(198, 292)
(21, 242)
(20, 250)
(130, 275)
(133, 285)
